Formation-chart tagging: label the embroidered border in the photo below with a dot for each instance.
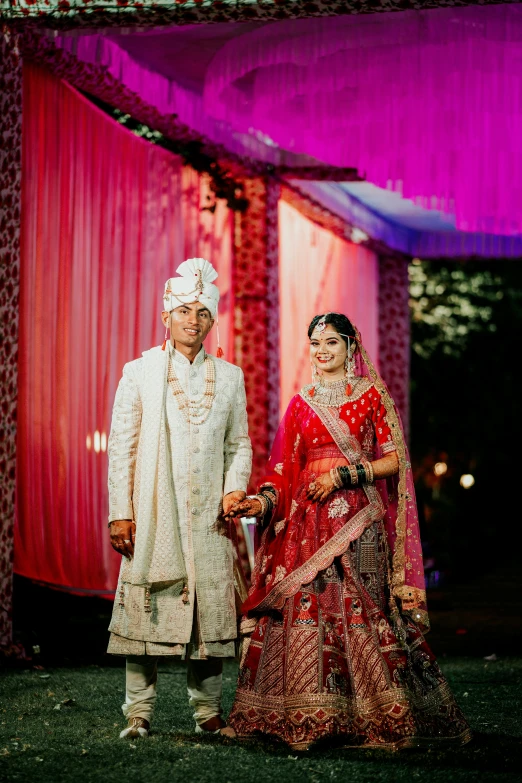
(398, 558)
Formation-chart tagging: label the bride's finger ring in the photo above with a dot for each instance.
(313, 486)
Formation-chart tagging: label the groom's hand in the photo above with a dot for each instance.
(231, 499)
(123, 533)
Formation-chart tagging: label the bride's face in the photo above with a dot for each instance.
(328, 351)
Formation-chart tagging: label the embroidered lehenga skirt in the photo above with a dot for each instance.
(329, 665)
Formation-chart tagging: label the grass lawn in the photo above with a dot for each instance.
(62, 725)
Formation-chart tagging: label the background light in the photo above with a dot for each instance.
(467, 480)
(440, 468)
(97, 442)
(357, 236)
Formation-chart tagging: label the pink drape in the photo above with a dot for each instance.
(428, 103)
(106, 218)
(319, 272)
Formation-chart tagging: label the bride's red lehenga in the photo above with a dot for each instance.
(334, 621)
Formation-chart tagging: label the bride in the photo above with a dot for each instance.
(334, 621)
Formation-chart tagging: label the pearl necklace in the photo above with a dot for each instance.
(196, 410)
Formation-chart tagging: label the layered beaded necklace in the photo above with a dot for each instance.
(195, 410)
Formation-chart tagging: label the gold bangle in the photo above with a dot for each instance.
(368, 469)
(264, 505)
(353, 475)
(336, 478)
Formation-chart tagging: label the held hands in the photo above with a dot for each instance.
(320, 488)
(244, 507)
(230, 501)
(123, 534)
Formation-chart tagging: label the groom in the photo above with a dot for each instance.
(179, 458)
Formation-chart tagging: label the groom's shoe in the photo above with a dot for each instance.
(136, 728)
(215, 725)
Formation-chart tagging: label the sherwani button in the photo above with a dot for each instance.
(195, 490)
(195, 511)
(195, 430)
(195, 450)
(195, 470)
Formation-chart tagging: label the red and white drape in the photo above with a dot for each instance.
(106, 219)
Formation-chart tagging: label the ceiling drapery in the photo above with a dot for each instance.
(426, 103)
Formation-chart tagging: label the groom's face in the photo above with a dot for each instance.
(189, 324)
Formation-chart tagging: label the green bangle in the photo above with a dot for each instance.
(361, 473)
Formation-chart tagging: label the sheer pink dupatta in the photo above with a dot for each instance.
(401, 520)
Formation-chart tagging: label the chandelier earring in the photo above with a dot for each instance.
(315, 378)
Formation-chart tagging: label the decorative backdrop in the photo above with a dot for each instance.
(256, 333)
(67, 14)
(10, 177)
(394, 332)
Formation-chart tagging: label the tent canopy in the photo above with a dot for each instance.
(424, 105)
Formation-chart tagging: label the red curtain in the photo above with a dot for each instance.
(106, 219)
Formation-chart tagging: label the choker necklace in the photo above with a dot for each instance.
(333, 394)
(194, 410)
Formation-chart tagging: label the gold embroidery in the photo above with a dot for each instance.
(279, 526)
(296, 445)
(280, 573)
(279, 468)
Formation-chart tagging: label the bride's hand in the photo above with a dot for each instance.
(321, 487)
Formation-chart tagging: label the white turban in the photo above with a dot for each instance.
(193, 285)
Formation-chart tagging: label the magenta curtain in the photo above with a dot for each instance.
(106, 218)
(428, 103)
(320, 272)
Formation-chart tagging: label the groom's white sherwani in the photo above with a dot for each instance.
(169, 476)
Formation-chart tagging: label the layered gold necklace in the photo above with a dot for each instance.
(195, 410)
(333, 394)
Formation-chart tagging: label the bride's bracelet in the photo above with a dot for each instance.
(264, 504)
(267, 497)
(345, 475)
(361, 474)
(335, 475)
(354, 475)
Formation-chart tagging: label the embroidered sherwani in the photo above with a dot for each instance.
(169, 476)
